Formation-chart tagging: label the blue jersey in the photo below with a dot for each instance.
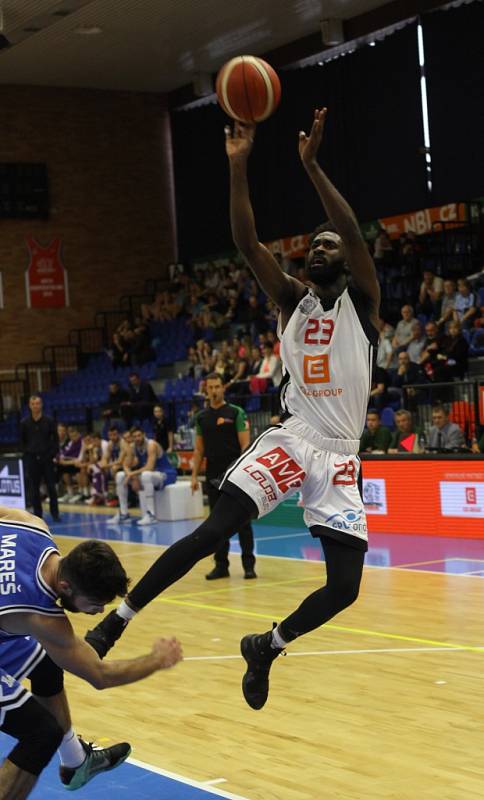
(24, 548)
(162, 463)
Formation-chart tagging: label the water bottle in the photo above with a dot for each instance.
(422, 442)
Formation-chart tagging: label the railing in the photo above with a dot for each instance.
(460, 398)
(39, 376)
(132, 303)
(88, 340)
(64, 358)
(110, 321)
(13, 396)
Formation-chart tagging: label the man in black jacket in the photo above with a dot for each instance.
(40, 446)
(141, 400)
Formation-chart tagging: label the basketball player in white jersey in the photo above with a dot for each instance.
(328, 329)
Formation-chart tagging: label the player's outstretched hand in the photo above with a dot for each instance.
(309, 145)
(168, 652)
(239, 141)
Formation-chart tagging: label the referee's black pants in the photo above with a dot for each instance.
(36, 468)
(245, 532)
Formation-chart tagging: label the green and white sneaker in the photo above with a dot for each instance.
(96, 761)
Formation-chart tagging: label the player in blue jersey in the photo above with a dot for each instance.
(37, 641)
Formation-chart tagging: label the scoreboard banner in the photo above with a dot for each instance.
(429, 497)
(12, 486)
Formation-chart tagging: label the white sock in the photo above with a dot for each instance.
(71, 751)
(277, 640)
(125, 612)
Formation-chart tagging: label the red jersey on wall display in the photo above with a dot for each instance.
(45, 277)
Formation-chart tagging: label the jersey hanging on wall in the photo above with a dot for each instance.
(46, 278)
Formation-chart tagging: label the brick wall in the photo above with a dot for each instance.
(109, 161)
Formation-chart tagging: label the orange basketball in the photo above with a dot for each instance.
(248, 89)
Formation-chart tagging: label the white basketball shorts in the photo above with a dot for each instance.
(279, 463)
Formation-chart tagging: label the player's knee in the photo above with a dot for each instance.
(36, 746)
(119, 478)
(348, 591)
(47, 679)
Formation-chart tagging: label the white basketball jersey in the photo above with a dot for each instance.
(328, 361)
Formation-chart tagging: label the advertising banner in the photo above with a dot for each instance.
(12, 487)
(429, 497)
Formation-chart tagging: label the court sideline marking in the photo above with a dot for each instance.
(204, 785)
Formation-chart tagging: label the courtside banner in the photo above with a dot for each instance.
(435, 498)
(12, 488)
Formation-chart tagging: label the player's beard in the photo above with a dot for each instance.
(324, 274)
(67, 603)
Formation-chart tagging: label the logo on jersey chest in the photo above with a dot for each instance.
(307, 304)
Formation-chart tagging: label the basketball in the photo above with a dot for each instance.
(248, 89)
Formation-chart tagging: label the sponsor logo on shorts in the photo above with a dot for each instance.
(283, 470)
(348, 520)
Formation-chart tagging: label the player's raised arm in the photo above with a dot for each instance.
(282, 289)
(340, 214)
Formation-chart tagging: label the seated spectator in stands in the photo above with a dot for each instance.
(238, 382)
(162, 430)
(379, 389)
(448, 303)
(383, 248)
(274, 341)
(431, 349)
(405, 437)
(376, 437)
(270, 371)
(141, 400)
(408, 373)
(416, 343)
(195, 368)
(254, 316)
(430, 294)
(255, 361)
(444, 435)
(403, 331)
(146, 469)
(69, 463)
(452, 358)
(465, 304)
(141, 351)
(122, 338)
(271, 315)
(116, 396)
(477, 445)
(385, 350)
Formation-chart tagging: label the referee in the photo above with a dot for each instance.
(222, 433)
(40, 446)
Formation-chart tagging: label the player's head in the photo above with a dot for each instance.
(372, 420)
(215, 388)
(113, 434)
(138, 436)
(90, 576)
(440, 417)
(325, 260)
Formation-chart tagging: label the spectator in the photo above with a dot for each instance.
(270, 370)
(430, 295)
(408, 373)
(478, 442)
(416, 343)
(40, 446)
(431, 349)
(479, 318)
(141, 351)
(444, 435)
(448, 302)
(385, 349)
(116, 396)
(141, 400)
(383, 248)
(379, 389)
(452, 356)
(405, 437)
(62, 434)
(465, 304)
(376, 438)
(162, 430)
(403, 331)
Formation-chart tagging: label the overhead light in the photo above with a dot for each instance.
(93, 30)
(372, 44)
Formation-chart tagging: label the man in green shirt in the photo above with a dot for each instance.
(221, 434)
(376, 437)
